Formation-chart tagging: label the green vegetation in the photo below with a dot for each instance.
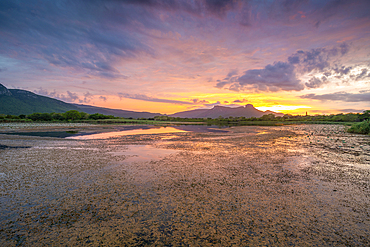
(24, 102)
(359, 121)
(71, 115)
(360, 128)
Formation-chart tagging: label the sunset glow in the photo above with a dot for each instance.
(170, 56)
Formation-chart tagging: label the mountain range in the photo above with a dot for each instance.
(17, 102)
(247, 111)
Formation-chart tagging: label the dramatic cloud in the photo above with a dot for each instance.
(340, 96)
(151, 99)
(182, 47)
(316, 59)
(283, 76)
(69, 34)
(274, 77)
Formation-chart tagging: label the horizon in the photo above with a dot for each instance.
(171, 56)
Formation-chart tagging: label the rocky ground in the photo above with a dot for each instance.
(304, 185)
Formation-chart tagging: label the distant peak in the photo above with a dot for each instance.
(4, 90)
(249, 106)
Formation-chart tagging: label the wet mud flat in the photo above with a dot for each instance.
(305, 185)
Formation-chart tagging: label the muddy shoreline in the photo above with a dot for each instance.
(286, 185)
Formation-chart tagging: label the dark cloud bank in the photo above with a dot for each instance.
(92, 36)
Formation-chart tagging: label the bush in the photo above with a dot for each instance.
(72, 115)
(97, 116)
(57, 116)
(360, 128)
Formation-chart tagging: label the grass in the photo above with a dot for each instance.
(360, 128)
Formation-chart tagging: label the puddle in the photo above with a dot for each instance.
(57, 134)
(5, 147)
(106, 135)
(122, 131)
(68, 148)
(142, 153)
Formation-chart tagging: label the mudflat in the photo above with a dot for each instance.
(298, 185)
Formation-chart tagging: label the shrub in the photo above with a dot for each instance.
(72, 115)
(360, 128)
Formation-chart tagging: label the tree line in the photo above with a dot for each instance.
(66, 116)
(349, 117)
(74, 115)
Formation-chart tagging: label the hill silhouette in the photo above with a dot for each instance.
(17, 102)
(247, 111)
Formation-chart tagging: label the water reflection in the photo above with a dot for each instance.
(136, 153)
(106, 135)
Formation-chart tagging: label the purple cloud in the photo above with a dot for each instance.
(152, 99)
(340, 96)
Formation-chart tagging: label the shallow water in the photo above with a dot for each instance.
(57, 134)
(120, 130)
(281, 187)
(106, 135)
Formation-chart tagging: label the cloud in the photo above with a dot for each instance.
(229, 79)
(283, 76)
(218, 8)
(240, 101)
(274, 77)
(84, 36)
(340, 96)
(69, 97)
(199, 101)
(316, 59)
(87, 97)
(103, 98)
(315, 82)
(362, 75)
(351, 110)
(152, 99)
(343, 70)
(212, 104)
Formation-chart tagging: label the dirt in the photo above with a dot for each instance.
(305, 185)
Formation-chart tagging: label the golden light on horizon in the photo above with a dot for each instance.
(282, 108)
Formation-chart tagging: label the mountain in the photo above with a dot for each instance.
(247, 111)
(17, 102)
(115, 112)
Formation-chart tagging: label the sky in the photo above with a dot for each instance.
(167, 56)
